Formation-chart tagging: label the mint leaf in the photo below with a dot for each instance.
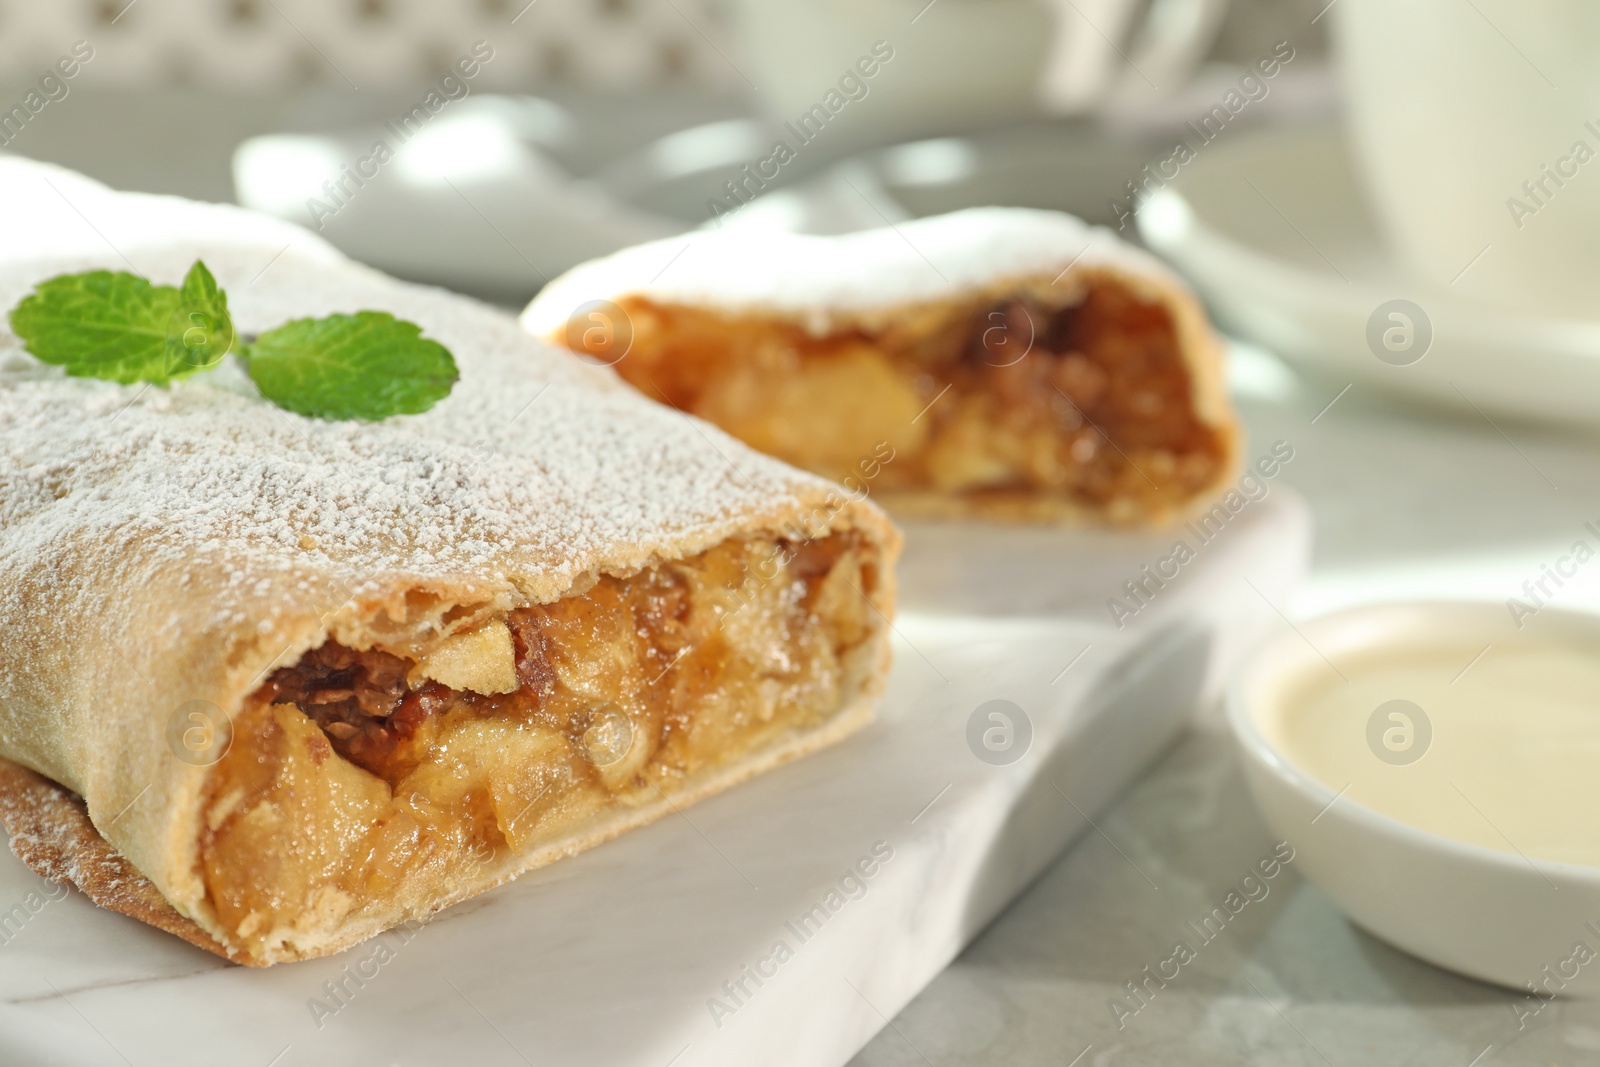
(117, 326)
(369, 366)
(102, 324)
(201, 332)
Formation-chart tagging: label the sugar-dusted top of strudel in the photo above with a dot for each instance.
(535, 469)
(817, 280)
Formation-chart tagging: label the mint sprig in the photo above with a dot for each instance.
(119, 327)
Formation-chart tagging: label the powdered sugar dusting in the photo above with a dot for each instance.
(536, 465)
(47, 824)
(815, 279)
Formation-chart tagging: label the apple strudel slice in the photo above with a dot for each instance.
(1016, 364)
(276, 684)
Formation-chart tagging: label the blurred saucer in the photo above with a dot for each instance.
(479, 199)
(1274, 232)
(1065, 165)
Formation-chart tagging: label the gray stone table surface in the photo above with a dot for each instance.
(1407, 502)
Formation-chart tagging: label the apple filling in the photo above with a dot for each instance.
(363, 774)
(1018, 405)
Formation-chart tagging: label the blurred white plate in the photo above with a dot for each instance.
(1274, 232)
(476, 199)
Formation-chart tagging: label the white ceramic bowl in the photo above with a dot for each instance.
(1492, 915)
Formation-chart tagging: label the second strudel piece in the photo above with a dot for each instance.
(1001, 363)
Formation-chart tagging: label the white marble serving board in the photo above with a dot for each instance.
(614, 957)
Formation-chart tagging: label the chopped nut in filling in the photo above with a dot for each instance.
(1002, 400)
(360, 772)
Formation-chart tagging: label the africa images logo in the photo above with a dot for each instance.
(752, 178)
(1252, 487)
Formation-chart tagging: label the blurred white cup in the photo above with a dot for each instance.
(955, 62)
(1477, 127)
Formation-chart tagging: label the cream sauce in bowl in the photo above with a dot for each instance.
(1436, 769)
(1493, 745)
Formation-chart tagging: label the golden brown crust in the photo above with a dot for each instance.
(51, 832)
